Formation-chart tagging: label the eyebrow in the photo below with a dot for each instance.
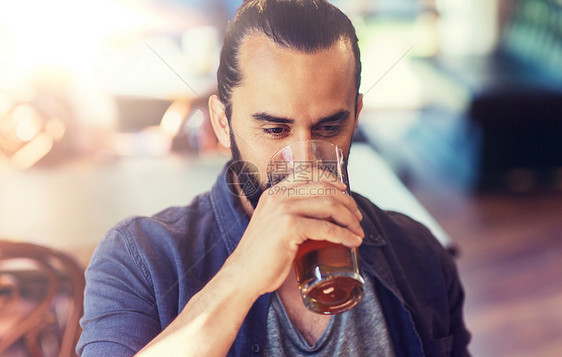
(340, 116)
(272, 119)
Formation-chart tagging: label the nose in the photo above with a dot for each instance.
(302, 135)
(302, 147)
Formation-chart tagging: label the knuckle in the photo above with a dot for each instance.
(329, 229)
(331, 202)
(291, 221)
(326, 184)
(285, 206)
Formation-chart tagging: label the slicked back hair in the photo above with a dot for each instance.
(307, 26)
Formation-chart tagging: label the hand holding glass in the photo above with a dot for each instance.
(328, 274)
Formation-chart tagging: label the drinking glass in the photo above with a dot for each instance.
(328, 274)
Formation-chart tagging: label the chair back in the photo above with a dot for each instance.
(41, 300)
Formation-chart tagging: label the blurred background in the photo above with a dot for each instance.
(103, 115)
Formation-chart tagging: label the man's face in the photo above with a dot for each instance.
(286, 96)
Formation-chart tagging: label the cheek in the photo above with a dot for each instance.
(263, 164)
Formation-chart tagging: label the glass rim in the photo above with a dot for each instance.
(323, 142)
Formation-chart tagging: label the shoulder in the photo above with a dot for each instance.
(153, 255)
(144, 271)
(171, 238)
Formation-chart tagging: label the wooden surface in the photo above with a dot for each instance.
(510, 264)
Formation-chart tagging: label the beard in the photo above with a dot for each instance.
(247, 174)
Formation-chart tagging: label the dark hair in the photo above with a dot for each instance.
(304, 25)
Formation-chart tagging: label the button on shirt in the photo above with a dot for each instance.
(146, 269)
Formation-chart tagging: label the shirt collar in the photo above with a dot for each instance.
(232, 220)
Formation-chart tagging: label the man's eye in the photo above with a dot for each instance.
(329, 130)
(274, 131)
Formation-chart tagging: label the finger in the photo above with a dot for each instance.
(323, 230)
(328, 177)
(321, 208)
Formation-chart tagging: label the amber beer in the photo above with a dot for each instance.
(327, 276)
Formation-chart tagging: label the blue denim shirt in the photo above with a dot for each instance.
(145, 270)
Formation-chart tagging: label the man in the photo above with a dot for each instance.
(215, 277)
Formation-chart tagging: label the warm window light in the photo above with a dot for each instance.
(32, 152)
(27, 135)
(55, 129)
(27, 122)
(173, 118)
(65, 32)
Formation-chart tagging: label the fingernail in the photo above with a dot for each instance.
(360, 231)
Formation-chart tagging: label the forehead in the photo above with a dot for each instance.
(258, 50)
(269, 69)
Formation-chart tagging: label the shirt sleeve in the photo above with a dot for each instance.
(120, 314)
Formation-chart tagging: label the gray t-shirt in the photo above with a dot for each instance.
(361, 331)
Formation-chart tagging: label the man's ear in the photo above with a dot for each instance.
(358, 110)
(219, 121)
